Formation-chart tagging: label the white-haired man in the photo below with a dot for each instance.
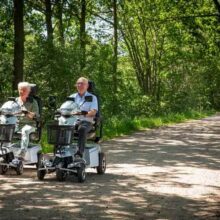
(89, 110)
(31, 111)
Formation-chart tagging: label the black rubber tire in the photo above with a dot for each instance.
(81, 173)
(3, 169)
(39, 158)
(20, 168)
(40, 173)
(101, 168)
(60, 174)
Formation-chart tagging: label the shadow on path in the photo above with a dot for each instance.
(167, 173)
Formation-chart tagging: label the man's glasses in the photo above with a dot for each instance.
(80, 83)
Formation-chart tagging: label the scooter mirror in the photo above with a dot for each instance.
(12, 99)
(70, 99)
(52, 102)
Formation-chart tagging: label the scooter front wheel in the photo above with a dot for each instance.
(81, 173)
(102, 163)
(3, 169)
(60, 174)
(40, 173)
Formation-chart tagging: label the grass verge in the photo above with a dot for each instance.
(117, 127)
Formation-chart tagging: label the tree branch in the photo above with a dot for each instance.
(99, 16)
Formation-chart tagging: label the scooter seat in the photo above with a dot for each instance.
(17, 136)
(90, 136)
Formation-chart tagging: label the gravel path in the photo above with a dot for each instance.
(167, 173)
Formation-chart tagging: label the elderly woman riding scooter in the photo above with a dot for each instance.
(31, 111)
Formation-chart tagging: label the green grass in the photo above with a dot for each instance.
(47, 148)
(116, 126)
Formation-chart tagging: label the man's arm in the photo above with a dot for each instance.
(91, 113)
(94, 108)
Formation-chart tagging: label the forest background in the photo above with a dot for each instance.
(152, 61)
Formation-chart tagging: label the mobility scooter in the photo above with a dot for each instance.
(63, 135)
(10, 135)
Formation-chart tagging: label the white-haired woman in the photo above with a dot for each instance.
(31, 110)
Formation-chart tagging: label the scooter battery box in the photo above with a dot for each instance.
(92, 155)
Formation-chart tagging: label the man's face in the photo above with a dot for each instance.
(81, 86)
(23, 92)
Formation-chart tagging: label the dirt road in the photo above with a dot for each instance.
(167, 173)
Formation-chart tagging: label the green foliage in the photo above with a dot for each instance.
(168, 58)
(6, 48)
(46, 148)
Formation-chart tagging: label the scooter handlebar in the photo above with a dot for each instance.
(80, 113)
(25, 112)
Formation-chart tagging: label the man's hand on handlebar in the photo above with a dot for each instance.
(84, 113)
(80, 113)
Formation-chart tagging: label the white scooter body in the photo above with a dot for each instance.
(31, 156)
(90, 156)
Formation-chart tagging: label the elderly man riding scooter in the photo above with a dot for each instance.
(31, 111)
(88, 110)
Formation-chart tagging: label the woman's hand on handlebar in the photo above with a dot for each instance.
(30, 115)
(24, 112)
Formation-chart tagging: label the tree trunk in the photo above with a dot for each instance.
(217, 5)
(49, 22)
(115, 45)
(83, 35)
(18, 43)
(140, 59)
(59, 5)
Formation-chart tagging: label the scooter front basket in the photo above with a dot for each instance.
(60, 134)
(6, 132)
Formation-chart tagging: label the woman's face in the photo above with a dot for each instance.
(23, 92)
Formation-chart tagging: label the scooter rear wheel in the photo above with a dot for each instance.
(102, 163)
(39, 158)
(19, 168)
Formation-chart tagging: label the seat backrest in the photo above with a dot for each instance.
(33, 95)
(92, 89)
(98, 117)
